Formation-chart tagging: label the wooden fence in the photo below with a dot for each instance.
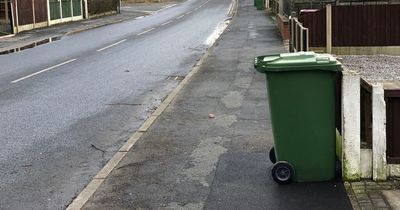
(5, 17)
(30, 12)
(369, 25)
(392, 98)
(357, 25)
(316, 24)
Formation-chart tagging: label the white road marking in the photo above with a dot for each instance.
(44, 70)
(169, 6)
(141, 33)
(140, 17)
(180, 17)
(230, 7)
(112, 45)
(188, 12)
(168, 22)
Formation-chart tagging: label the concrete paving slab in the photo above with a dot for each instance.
(393, 197)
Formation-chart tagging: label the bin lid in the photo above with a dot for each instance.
(299, 61)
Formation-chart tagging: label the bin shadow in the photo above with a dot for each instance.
(243, 181)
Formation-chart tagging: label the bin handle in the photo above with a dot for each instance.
(258, 63)
(324, 59)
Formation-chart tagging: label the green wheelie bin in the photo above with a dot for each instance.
(302, 96)
(259, 4)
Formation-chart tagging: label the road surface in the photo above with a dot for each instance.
(66, 107)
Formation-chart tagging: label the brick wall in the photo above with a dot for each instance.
(283, 26)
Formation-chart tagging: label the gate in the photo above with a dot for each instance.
(298, 40)
(5, 17)
(65, 10)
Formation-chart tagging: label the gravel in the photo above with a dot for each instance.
(374, 67)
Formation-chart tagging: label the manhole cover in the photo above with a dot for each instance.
(177, 78)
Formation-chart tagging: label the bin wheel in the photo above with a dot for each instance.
(272, 156)
(282, 172)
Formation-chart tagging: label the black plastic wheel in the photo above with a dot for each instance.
(272, 156)
(282, 172)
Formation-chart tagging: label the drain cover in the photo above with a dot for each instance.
(178, 78)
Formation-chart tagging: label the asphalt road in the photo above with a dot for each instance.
(66, 107)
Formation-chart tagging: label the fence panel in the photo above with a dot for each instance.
(392, 98)
(25, 11)
(40, 11)
(55, 12)
(77, 5)
(316, 24)
(366, 25)
(66, 8)
(5, 17)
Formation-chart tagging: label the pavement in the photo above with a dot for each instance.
(367, 194)
(208, 149)
(128, 12)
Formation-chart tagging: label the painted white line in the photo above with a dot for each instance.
(150, 11)
(111, 45)
(169, 6)
(231, 7)
(180, 17)
(86, 193)
(188, 13)
(140, 17)
(204, 3)
(141, 33)
(168, 22)
(44, 70)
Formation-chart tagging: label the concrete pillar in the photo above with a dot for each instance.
(61, 14)
(86, 9)
(6, 11)
(280, 7)
(328, 28)
(16, 17)
(378, 133)
(351, 156)
(48, 13)
(33, 13)
(72, 10)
